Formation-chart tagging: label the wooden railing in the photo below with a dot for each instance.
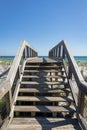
(76, 81)
(4, 72)
(7, 88)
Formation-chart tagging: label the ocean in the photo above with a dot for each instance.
(81, 58)
(77, 58)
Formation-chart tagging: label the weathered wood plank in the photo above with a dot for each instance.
(36, 90)
(30, 76)
(16, 93)
(43, 60)
(16, 62)
(38, 66)
(7, 85)
(40, 108)
(43, 83)
(43, 99)
(48, 76)
(74, 71)
(82, 85)
(44, 123)
(4, 88)
(43, 71)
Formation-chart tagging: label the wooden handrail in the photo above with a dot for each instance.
(5, 72)
(17, 60)
(74, 67)
(62, 51)
(4, 88)
(22, 51)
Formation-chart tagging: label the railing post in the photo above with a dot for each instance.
(81, 99)
(63, 53)
(59, 51)
(30, 52)
(25, 51)
(56, 52)
(35, 54)
(69, 72)
(51, 54)
(8, 102)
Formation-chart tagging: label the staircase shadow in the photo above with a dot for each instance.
(51, 125)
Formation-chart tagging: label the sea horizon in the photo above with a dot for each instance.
(77, 58)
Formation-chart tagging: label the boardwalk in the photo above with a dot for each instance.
(40, 94)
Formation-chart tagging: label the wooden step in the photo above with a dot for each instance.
(31, 76)
(42, 83)
(43, 60)
(48, 76)
(35, 60)
(43, 99)
(44, 124)
(45, 109)
(41, 66)
(41, 90)
(40, 71)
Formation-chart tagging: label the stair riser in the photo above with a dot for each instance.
(43, 68)
(44, 114)
(45, 64)
(43, 94)
(43, 103)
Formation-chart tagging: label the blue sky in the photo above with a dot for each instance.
(43, 23)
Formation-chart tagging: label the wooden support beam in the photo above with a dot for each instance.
(59, 51)
(81, 100)
(69, 72)
(63, 53)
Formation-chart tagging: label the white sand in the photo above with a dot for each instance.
(1, 69)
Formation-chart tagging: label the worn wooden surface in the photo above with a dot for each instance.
(16, 61)
(48, 76)
(43, 71)
(45, 90)
(62, 51)
(7, 85)
(74, 67)
(44, 83)
(31, 69)
(43, 109)
(4, 88)
(44, 124)
(43, 99)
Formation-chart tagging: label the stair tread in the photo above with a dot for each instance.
(44, 70)
(44, 123)
(44, 99)
(41, 108)
(48, 76)
(37, 90)
(45, 66)
(43, 60)
(42, 83)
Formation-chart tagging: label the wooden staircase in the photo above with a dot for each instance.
(43, 93)
(44, 100)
